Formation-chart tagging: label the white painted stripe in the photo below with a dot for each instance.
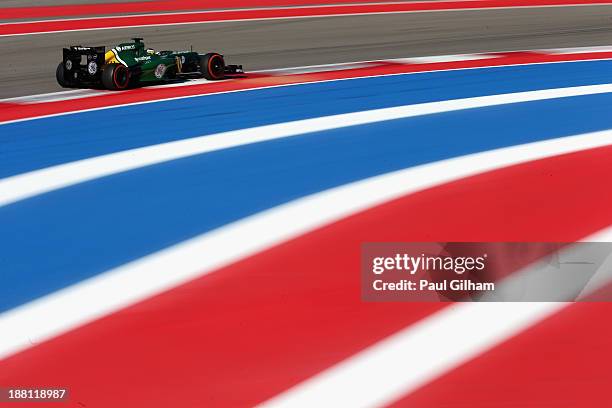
(438, 58)
(323, 66)
(603, 276)
(601, 236)
(414, 356)
(409, 359)
(143, 278)
(37, 182)
(317, 68)
(54, 96)
(579, 50)
(188, 82)
(443, 58)
(88, 93)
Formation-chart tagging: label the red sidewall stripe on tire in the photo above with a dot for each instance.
(210, 66)
(127, 76)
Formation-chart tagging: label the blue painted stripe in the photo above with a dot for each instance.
(59, 238)
(35, 144)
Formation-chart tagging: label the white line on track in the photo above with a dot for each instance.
(56, 96)
(416, 355)
(579, 50)
(444, 58)
(413, 357)
(138, 280)
(37, 182)
(317, 68)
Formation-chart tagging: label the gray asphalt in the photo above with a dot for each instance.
(30, 61)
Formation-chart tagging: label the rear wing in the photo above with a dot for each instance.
(83, 63)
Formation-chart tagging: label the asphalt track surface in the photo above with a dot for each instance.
(32, 59)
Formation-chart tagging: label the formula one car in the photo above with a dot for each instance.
(131, 64)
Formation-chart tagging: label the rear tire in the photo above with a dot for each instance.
(212, 66)
(115, 77)
(61, 78)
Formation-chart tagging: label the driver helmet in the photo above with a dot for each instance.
(150, 51)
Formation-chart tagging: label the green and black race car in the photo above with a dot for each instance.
(131, 64)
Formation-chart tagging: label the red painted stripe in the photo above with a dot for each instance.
(156, 6)
(8, 105)
(10, 13)
(254, 14)
(249, 331)
(562, 362)
(10, 112)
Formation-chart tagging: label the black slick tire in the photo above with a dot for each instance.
(115, 77)
(212, 66)
(61, 78)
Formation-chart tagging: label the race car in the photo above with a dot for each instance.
(131, 64)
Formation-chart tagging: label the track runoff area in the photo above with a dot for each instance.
(263, 205)
(54, 19)
(204, 237)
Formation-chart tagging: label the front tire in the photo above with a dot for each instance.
(61, 78)
(115, 77)
(212, 66)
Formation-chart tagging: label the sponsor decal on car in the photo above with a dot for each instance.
(148, 57)
(160, 71)
(92, 68)
(125, 47)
